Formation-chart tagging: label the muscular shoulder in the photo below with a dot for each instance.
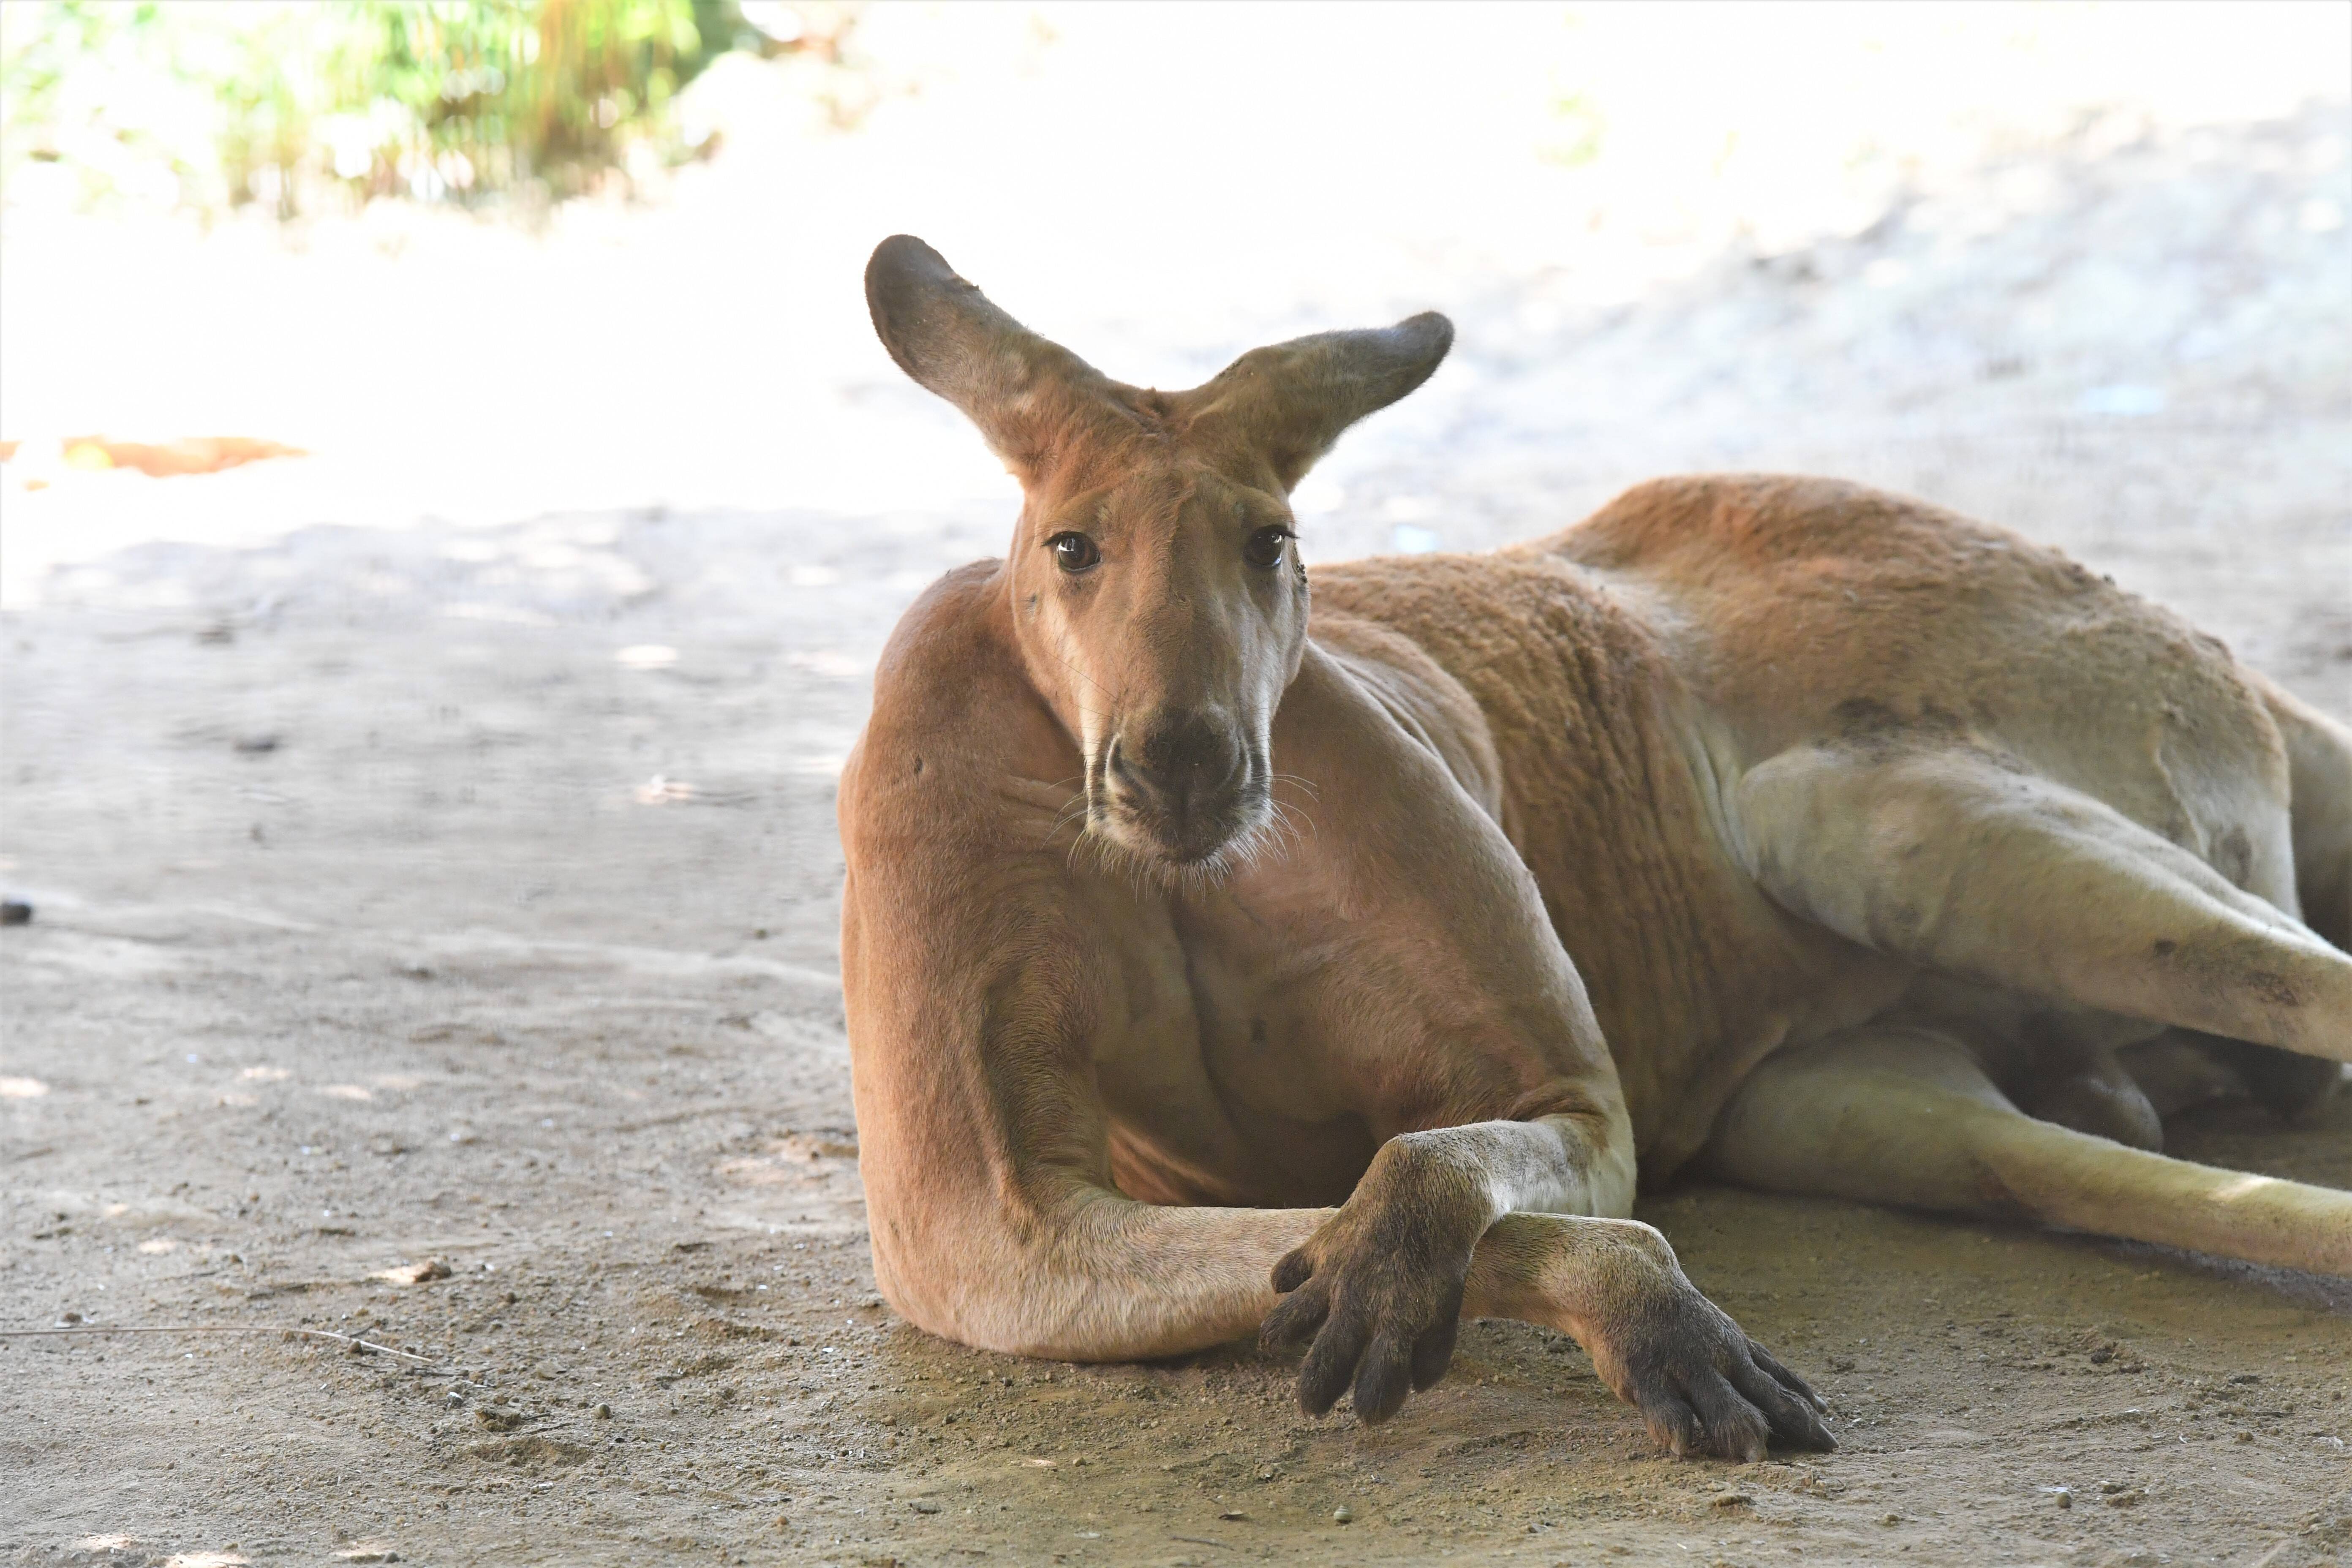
(953, 721)
(948, 636)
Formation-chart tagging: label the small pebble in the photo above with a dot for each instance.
(603, 1413)
(1343, 1514)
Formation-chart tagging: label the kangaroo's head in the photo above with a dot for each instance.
(1156, 588)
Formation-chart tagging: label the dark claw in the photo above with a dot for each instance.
(1672, 1424)
(1383, 1380)
(1765, 1385)
(1786, 1379)
(1735, 1429)
(1732, 1405)
(1434, 1351)
(1295, 1317)
(1330, 1362)
(1292, 1271)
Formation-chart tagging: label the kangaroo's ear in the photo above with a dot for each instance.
(1025, 394)
(1289, 401)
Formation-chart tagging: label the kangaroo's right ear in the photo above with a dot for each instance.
(1024, 392)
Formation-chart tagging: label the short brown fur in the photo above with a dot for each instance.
(1221, 959)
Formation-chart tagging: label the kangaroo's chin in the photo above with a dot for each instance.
(1206, 846)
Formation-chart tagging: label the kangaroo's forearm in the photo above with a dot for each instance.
(1120, 1281)
(1563, 1164)
(1099, 1276)
(1110, 1279)
(1562, 1272)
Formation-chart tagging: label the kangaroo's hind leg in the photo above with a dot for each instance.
(2319, 765)
(1905, 1115)
(1946, 856)
(2319, 770)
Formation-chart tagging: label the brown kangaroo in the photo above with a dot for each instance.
(1214, 963)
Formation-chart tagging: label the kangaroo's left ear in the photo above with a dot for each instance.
(1290, 401)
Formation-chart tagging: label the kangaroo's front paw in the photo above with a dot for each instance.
(1702, 1386)
(1378, 1286)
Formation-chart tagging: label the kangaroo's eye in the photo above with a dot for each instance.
(1264, 549)
(1073, 551)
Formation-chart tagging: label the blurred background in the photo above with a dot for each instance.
(542, 319)
(500, 330)
(481, 263)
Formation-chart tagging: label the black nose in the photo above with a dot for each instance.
(1180, 762)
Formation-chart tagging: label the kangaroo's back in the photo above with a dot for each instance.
(1802, 609)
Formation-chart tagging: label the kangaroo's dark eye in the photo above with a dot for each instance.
(1264, 549)
(1073, 551)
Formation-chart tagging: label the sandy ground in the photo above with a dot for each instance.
(469, 896)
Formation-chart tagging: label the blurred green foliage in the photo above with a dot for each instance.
(321, 102)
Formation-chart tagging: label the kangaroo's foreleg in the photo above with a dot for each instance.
(1521, 1218)
(1906, 1116)
(1702, 1386)
(1106, 1279)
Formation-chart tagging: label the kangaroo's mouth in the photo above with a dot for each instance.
(1191, 826)
(1194, 839)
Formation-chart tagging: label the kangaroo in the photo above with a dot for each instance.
(1221, 956)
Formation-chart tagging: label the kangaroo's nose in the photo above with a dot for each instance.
(1179, 761)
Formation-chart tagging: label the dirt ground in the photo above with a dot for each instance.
(469, 896)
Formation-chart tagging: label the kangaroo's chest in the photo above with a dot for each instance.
(1222, 1083)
